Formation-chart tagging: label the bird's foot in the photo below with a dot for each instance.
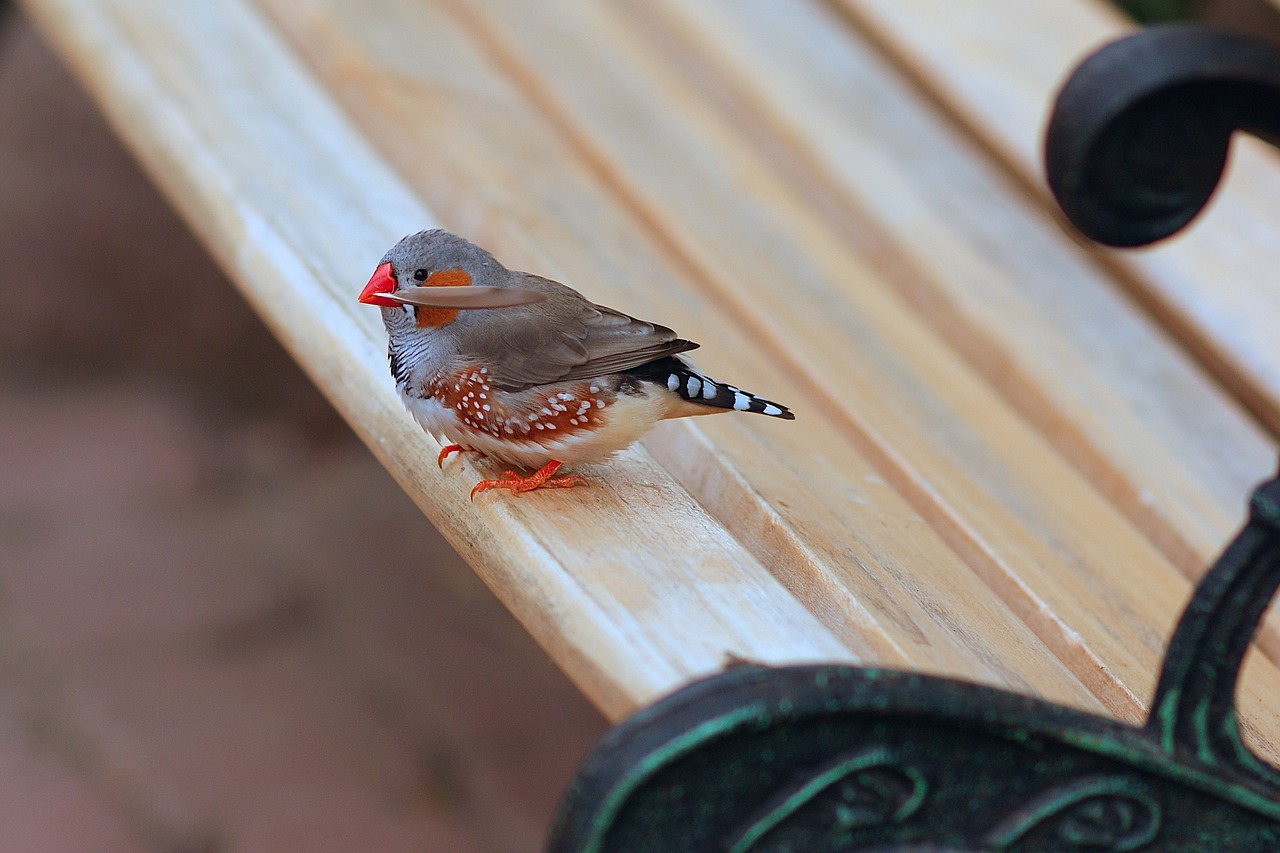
(450, 449)
(540, 479)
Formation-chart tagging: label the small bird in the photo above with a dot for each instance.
(526, 370)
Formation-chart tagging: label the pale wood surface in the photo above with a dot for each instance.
(295, 204)
(1003, 467)
(1210, 285)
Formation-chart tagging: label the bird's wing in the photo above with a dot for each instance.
(567, 337)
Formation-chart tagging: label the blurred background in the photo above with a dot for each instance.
(1258, 16)
(223, 627)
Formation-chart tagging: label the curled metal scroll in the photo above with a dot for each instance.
(1140, 132)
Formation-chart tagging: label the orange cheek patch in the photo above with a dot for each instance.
(455, 277)
(432, 318)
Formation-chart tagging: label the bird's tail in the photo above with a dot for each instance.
(691, 385)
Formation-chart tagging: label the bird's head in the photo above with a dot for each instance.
(430, 276)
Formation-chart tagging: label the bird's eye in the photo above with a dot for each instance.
(420, 275)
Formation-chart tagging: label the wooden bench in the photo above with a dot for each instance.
(1013, 454)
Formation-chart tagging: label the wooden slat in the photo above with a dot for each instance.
(1008, 290)
(501, 171)
(298, 208)
(994, 65)
(999, 282)
(941, 504)
(1020, 517)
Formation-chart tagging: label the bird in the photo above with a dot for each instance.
(525, 370)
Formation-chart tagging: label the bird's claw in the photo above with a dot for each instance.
(447, 451)
(540, 479)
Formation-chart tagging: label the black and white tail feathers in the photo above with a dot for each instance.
(691, 385)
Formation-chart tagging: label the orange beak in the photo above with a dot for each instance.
(381, 282)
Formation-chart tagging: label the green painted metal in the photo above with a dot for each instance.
(818, 758)
(1140, 131)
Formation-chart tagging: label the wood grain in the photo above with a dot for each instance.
(1022, 520)
(993, 67)
(270, 173)
(1002, 468)
(938, 622)
(1011, 293)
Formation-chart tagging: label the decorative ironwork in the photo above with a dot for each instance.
(826, 758)
(815, 758)
(1140, 132)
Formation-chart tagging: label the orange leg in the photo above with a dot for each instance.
(447, 451)
(540, 479)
